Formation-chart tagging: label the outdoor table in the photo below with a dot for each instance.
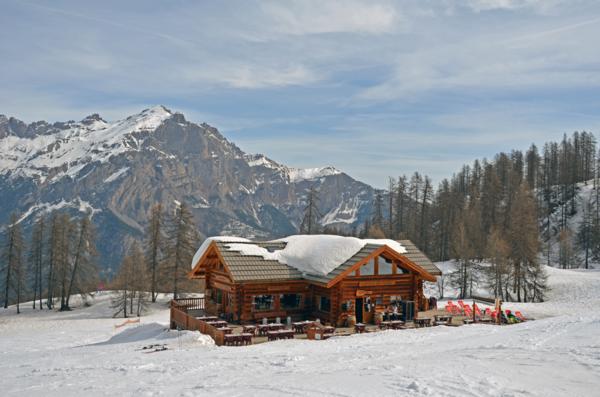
(208, 318)
(442, 320)
(272, 335)
(422, 322)
(286, 334)
(263, 329)
(328, 329)
(231, 339)
(246, 338)
(385, 324)
(398, 324)
(299, 327)
(359, 328)
(218, 323)
(250, 329)
(276, 326)
(226, 330)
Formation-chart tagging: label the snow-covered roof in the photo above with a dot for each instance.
(309, 254)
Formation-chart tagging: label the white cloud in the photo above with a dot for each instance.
(333, 16)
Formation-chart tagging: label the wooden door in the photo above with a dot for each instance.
(358, 309)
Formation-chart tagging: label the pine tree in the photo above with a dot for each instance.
(154, 245)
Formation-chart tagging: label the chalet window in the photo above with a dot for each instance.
(385, 266)
(368, 269)
(218, 296)
(379, 300)
(323, 303)
(262, 302)
(290, 301)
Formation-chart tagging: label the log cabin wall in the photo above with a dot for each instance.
(250, 313)
(382, 282)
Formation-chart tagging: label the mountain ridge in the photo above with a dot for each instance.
(118, 170)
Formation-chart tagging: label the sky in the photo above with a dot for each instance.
(374, 88)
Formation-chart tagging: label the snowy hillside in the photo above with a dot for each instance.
(81, 352)
(584, 198)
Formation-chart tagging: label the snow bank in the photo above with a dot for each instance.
(312, 254)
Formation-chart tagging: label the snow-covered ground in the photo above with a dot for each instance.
(81, 353)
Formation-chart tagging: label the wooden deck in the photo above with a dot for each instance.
(189, 314)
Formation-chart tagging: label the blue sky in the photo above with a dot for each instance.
(375, 88)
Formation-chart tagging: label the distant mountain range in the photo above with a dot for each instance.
(118, 170)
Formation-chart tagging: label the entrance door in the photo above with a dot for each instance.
(358, 310)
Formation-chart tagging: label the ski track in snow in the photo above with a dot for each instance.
(70, 354)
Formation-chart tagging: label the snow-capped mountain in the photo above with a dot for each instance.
(118, 170)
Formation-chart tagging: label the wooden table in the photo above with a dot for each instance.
(208, 318)
(328, 329)
(218, 323)
(264, 328)
(359, 328)
(442, 319)
(300, 326)
(237, 339)
(397, 324)
(422, 322)
(280, 334)
(384, 324)
(226, 330)
(249, 329)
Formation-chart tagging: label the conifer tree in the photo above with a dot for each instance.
(83, 272)
(12, 257)
(154, 246)
(183, 242)
(311, 216)
(36, 259)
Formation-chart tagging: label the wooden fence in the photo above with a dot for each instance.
(180, 319)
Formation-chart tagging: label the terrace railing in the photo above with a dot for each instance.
(180, 319)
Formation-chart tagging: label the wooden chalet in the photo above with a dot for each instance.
(243, 286)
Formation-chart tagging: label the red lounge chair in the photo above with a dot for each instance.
(520, 316)
(461, 304)
(477, 310)
(468, 311)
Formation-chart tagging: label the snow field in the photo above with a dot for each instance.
(80, 352)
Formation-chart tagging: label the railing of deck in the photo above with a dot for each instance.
(182, 320)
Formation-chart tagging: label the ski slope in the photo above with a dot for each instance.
(81, 353)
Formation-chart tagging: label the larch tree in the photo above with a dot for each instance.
(12, 257)
(182, 244)
(36, 259)
(311, 216)
(83, 276)
(154, 247)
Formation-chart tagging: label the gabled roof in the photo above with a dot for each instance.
(417, 256)
(244, 265)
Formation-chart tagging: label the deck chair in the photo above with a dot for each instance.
(468, 311)
(520, 316)
(461, 304)
(477, 310)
